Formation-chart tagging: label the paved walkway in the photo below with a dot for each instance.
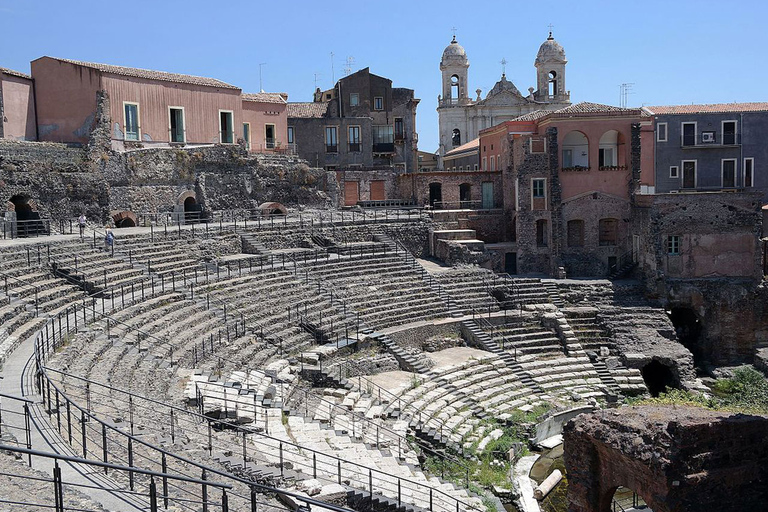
(17, 381)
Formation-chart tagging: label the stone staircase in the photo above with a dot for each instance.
(483, 340)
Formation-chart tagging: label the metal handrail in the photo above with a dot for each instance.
(40, 347)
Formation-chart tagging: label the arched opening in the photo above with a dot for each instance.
(575, 150)
(435, 195)
(688, 328)
(608, 155)
(552, 83)
(124, 219)
(272, 208)
(192, 210)
(658, 377)
(465, 195)
(456, 137)
(624, 498)
(455, 87)
(27, 220)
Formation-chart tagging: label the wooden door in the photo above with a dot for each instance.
(377, 191)
(351, 193)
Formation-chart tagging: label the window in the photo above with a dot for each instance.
(552, 84)
(399, 132)
(673, 244)
(538, 186)
(354, 99)
(689, 173)
(383, 139)
(475, 166)
(493, 164)
(661, 132)
(674, 171)
(689, 134)
(749, 164)
(456, 137)
(567, 158)
(269, 135)
(498, 162)
(331, 139)
(176, 124)
(576, 233)
(605, 157)
(454, 87)
(131, 121)
(226, 127)
(729, 132)
(378, 103)
(290, 135)
(728, 173)
(541, 233)
(538, 145)
(485, 163)
(608, 231)
(354, 138)
(247, 135)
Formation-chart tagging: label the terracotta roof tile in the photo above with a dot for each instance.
(532, 116)
(309, 109)
(152, 75)
(11, 72)
(473, 144)
(760, 106)
(266, 97)
(586, 107)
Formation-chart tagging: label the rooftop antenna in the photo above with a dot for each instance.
(625, 89)
(317, 75)
(261, 86)
(333, 74)
(348, 67)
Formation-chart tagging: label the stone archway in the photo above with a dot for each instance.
(272, 208)
(124, 219)
(658, 377)
(675, 458)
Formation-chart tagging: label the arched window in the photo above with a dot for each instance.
(609, 149)
(576, 233)
(455, 87)
(552, 85)
(456, 137)
(575, 150)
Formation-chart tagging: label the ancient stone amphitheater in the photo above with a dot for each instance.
(298, 361)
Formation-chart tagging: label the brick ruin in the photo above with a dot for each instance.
(676, 458)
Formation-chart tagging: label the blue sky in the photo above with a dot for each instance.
(672, 51)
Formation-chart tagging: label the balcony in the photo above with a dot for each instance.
(354, 147)
(331, 149)
(575, 168)
(384, 147)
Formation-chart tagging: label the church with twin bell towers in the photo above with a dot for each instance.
(461, 117)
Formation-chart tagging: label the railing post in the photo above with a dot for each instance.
(204, 494)
(104, 444)
(152, 495)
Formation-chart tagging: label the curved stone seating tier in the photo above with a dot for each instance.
(591, 333)
(528, 338)
(565, 378)
(468, 288)
(451, 400)
(528, 290)
(381, 288)
(264, 299)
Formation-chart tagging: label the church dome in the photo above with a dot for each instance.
(549, 51)
(454, 53)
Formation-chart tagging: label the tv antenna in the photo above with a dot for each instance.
(333, 74)
(625, 90)
(317, 75)
(261, 85)
(348, 65)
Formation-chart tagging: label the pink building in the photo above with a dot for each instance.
(153, 108)
(17, 106)
(265, 120)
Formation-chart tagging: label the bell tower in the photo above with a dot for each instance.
(550, 72)
(455, 67)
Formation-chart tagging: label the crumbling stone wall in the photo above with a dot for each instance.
(675, 458)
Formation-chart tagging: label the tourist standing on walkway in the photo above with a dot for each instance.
(81, 221)
(109, 239)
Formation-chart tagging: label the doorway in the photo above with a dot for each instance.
(435, 195)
